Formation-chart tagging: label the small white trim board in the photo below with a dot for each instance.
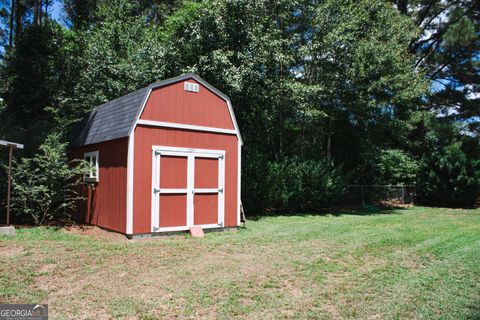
(13, 144)
(190, 190)
(163, 124)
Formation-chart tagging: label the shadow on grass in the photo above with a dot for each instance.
(474, 313)
(335, 211)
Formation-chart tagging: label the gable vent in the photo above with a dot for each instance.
(191, 87)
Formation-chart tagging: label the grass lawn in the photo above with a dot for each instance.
(419, 263)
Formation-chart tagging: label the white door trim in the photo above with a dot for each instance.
(190, 187)
(190, 154)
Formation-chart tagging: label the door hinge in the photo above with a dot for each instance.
(157, 153)
(155, 190)
(220, 190)
(220, 156)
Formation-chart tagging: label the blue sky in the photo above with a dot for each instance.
(58, 12)
(55, 10)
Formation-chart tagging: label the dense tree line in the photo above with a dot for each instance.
(326, 92)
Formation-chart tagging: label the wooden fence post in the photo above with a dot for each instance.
(363, 196)
(9, 182)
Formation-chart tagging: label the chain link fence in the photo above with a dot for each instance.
(379, 195)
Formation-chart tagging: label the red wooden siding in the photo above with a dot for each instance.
(146, 137)
(206, 208)
(174, 210)
(174, 172)
(106, 205)
(206, 205)
(173, 104)
(206, 173)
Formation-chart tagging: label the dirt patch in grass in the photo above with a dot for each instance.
(94, 231)
(189, 277)
(9, 251)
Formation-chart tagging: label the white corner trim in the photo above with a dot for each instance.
(130, 176)
(234, 120)
(185, 126)
(239, 183)
(130, 168)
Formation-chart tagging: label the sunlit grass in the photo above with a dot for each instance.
(395, 264)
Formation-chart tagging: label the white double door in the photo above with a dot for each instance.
(187, 188)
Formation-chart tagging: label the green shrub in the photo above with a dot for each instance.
(254, 183)
(306, 185)
(395, 166)
(44, 186)
(448, 177)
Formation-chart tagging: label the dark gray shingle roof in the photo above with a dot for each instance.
(111, 120)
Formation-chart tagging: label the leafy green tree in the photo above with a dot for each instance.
(343, 84)
(447, 50)
(449, 172)
(81, 13)
(44, 186)
(34, 76)
(241, 47)
(122, 54)
(449, 178)
(395, 166)
(310, 79)
(367, 84)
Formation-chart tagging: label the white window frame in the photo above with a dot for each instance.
(90, 156)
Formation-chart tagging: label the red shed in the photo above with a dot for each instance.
(164, 158)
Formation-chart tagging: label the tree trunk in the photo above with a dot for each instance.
(45, 16)
(19, 11)
(40, 12)
(280, 143)
(402, 6)
(35, 13)
(12, 14)
(329, 138)
(302, 140)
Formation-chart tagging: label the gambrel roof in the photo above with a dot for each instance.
(117, 118)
